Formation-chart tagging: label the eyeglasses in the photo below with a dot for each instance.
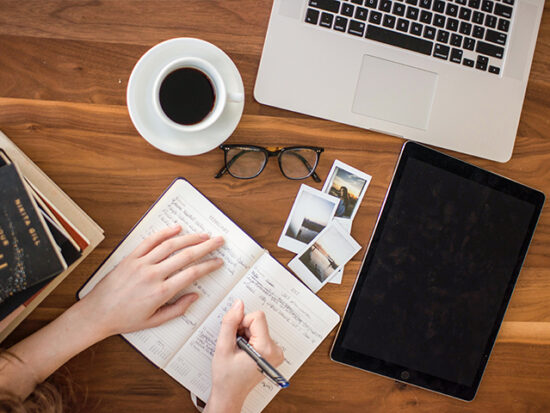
(248, 161)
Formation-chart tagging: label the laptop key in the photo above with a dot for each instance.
(439, 20)
(429, 32)
(416, 29)
(361, 13)
(426, 17)
(412, 13)
(494, 69)
(399, 39)
(456, 40)
(495, 37)
(439, 6)
(347, 9)
(481, 63)
(478, 17)
(402, 25)
(504, 25)
(510, 2)
(468, 62)
(375, 17)
(328, 5)
(356, 28)
(371, 3)
(503, 11)
(469, 43)
(398, 9)
(442, 36)
(385, 5)
(465, 13)
(312, 16)
(359, 2)
(465, 28)
(456, 55)
(489, 49)
(490, 21)
(474, 4)
(441, 51)
(426, 4)
(389, 21)
(452, 10)
(452, 24)
(479, 32)
(340, 24)
(463, 2)
(326, 20)
(487, 6)
(413, 2)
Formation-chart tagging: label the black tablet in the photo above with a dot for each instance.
(438, 273)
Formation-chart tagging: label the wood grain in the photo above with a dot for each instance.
(64, 68)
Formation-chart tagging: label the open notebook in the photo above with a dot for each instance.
(298, 320)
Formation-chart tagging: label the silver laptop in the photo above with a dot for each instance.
(447, 73)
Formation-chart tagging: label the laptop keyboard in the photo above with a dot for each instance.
(471, 33)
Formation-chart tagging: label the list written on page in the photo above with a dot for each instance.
(298, 322)
(183, 205)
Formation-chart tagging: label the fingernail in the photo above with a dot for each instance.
(175, 226)
(236, 304)
(194, 297)
(204, 236)
(219, 261)
(219, 240)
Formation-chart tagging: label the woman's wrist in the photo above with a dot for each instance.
(81, 316)
(223, 401)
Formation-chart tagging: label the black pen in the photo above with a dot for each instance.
(266, 368)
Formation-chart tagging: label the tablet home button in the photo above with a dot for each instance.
(405, 375)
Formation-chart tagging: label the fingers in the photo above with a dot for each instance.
(169, 246)
(189, 255)
(155, 239)
(185, 278)
(256, 324)
(227, 338)
(170, 311)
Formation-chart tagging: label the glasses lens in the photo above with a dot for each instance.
(244, 162)
(298, 163)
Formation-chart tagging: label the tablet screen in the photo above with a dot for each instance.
(439, 272)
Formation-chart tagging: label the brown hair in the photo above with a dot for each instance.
(54, 395)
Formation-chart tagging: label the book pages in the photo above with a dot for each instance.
(183, 204)
(298, 322)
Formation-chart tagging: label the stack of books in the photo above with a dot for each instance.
(44, 235)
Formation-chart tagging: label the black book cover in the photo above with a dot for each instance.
(28, 254)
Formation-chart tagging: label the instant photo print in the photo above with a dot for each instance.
(311, 213)
(324, 256)
(349, 186)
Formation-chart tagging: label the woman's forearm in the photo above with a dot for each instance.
(34, 359)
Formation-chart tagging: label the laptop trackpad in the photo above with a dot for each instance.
(394, 92)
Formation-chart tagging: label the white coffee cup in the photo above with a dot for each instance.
(221, 94)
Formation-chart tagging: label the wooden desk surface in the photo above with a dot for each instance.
(64, 68)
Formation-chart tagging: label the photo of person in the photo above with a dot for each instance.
(349, 185)
(311, 213)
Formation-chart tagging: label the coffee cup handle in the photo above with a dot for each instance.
(235, 97)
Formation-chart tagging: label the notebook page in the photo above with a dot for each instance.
(298, 321)
(184, 205)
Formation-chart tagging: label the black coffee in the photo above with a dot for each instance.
(186, 96)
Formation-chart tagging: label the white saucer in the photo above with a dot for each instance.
(148, 122)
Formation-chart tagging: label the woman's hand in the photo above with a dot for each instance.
(234, 373)
(131, 297)
(134, 295)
